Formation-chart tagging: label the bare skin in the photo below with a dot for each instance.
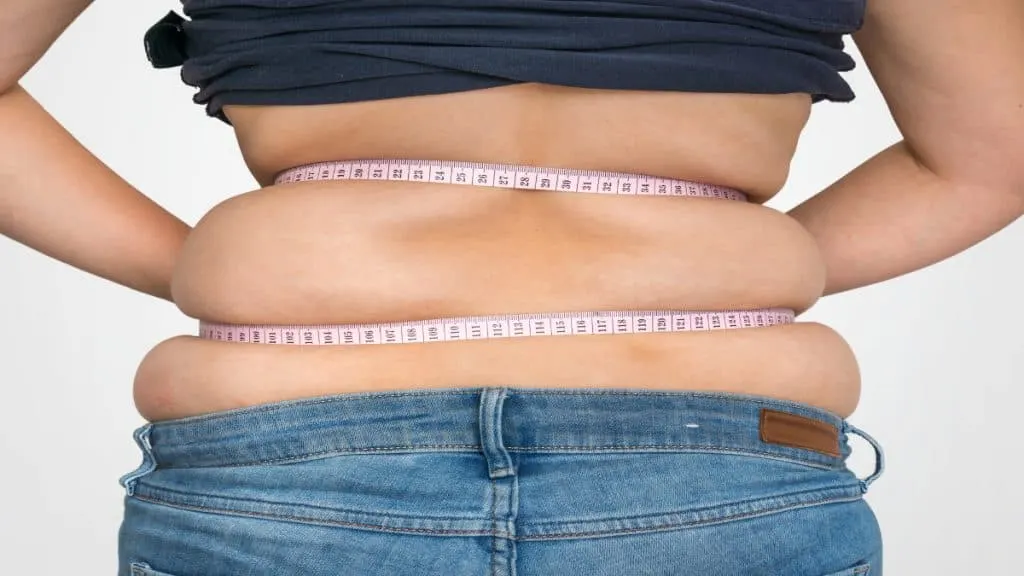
(353, 252)
(358, 251)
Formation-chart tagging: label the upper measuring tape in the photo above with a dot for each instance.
(505, 176)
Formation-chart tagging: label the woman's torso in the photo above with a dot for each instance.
(375, 251)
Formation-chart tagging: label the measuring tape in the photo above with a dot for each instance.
(498, 326)
(507, 325)
(505, 176)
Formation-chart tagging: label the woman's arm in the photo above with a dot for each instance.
(55, 196)
(950, 72)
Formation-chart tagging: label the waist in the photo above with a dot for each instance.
(501, 326)
(530, 419)
(313, 250)
(363, 251)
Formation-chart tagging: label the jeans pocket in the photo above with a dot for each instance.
(858, 570)
(143, 569)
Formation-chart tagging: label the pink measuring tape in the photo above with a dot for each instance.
(506, 176)
(504, 325)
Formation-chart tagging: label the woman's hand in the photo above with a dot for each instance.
(950, 72)
(55, 196)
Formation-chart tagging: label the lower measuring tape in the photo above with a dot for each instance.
(499, 326)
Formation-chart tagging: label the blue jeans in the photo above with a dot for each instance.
(504, 481)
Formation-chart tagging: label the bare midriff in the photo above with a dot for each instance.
(348, 252)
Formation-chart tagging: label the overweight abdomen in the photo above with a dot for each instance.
(355, 252)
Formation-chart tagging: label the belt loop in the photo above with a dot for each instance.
(879, 454)
(148, 464)
(499, 463)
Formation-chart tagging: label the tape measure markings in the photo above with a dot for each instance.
(498, 326)
(505, 176)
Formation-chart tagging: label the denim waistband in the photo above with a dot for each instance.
(528, 419)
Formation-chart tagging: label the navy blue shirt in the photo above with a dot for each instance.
(324, 51)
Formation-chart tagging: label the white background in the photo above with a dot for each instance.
(939, 349)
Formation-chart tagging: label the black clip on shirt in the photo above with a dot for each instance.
(165, 42)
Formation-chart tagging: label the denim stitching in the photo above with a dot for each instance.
(273, 503)
(707, 509)
(701, 523)
(378, 528)
(462, 518)
(494, 525)
(374, 527)
(686, 448)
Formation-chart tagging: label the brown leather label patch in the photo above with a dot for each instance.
(799, 432)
